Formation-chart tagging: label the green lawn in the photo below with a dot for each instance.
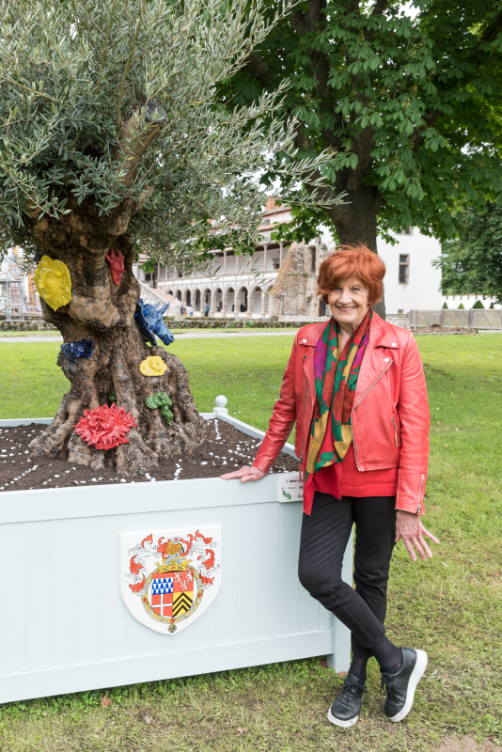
(451, 606)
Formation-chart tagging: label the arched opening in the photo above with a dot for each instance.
(188, 297)
(230, 295)
(169, 292)
(269, 301)
(257, 294)
(243, 300)
(197, 300)
(178, 295)
(323, 308)
(218, 300)
(206, 300)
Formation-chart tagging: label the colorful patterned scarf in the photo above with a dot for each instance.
(335, 382)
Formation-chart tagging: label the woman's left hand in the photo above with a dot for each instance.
(410, 530)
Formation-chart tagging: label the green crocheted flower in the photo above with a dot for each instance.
(160, 400)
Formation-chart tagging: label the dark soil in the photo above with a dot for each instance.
(225, 449)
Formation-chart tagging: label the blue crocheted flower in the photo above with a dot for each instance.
(150, 322)
(83, 348)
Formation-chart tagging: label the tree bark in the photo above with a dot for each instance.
(356, 224)
(101, 311)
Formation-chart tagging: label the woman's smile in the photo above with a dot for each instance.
(349, 302)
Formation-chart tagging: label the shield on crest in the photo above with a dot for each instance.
(171, 578)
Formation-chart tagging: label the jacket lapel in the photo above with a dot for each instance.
(309, 341)
(376, 358)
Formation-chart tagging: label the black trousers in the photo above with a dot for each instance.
(325, 534)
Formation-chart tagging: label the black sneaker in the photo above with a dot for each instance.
(401, 686)
(345, 709)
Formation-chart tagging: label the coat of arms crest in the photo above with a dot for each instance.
(169, 578)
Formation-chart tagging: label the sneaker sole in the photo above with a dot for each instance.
(415, 677)
(338, 722)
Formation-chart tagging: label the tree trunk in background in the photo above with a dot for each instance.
(101, 311)
(356, 223)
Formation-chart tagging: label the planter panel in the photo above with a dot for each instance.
(64, 627)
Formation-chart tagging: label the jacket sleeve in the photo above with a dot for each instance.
(414, 415)
(282, 420)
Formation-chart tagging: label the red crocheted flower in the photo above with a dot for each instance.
(116, 261)
(105, 427)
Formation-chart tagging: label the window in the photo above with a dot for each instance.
(404, 268)
(276, 264)
(408, 230)
(400, 310)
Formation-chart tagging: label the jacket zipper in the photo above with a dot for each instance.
(359, 401)
(307, 393)
(395, 432)
(420, 494)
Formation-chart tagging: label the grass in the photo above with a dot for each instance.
(451, 606)
(32, 385)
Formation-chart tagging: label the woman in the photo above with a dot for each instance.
(356, 389)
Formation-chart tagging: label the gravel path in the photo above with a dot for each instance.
(189, 335)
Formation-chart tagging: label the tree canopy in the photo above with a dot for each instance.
(472, 262)
(407, 102)
(112, 103)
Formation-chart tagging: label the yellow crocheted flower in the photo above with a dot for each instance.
(53, 282)
(152, 366)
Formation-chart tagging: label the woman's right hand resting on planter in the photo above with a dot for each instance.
(245, 474)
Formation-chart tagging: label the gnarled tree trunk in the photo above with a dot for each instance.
(101, 311)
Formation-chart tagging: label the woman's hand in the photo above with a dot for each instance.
(245, 474)
(410, 530)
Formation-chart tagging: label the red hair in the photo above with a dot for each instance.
(352, 261)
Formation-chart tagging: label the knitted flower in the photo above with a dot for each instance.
(153, 366)
(105, 427)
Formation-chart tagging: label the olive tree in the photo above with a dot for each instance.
(111, 142)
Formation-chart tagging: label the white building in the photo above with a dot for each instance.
(411, 282)
(238, 281)
(245, 285)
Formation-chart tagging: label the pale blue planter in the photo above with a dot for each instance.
(64, 627)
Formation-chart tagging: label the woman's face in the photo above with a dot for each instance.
(348, 303)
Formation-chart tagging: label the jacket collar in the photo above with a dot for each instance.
(381, 334)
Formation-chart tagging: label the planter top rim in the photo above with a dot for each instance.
(186, 488)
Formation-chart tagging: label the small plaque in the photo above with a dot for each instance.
(290, 487)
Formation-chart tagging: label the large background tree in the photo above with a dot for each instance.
(110, 138)
(472, 262)
(408, 105)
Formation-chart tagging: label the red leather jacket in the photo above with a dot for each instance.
(390, 414)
